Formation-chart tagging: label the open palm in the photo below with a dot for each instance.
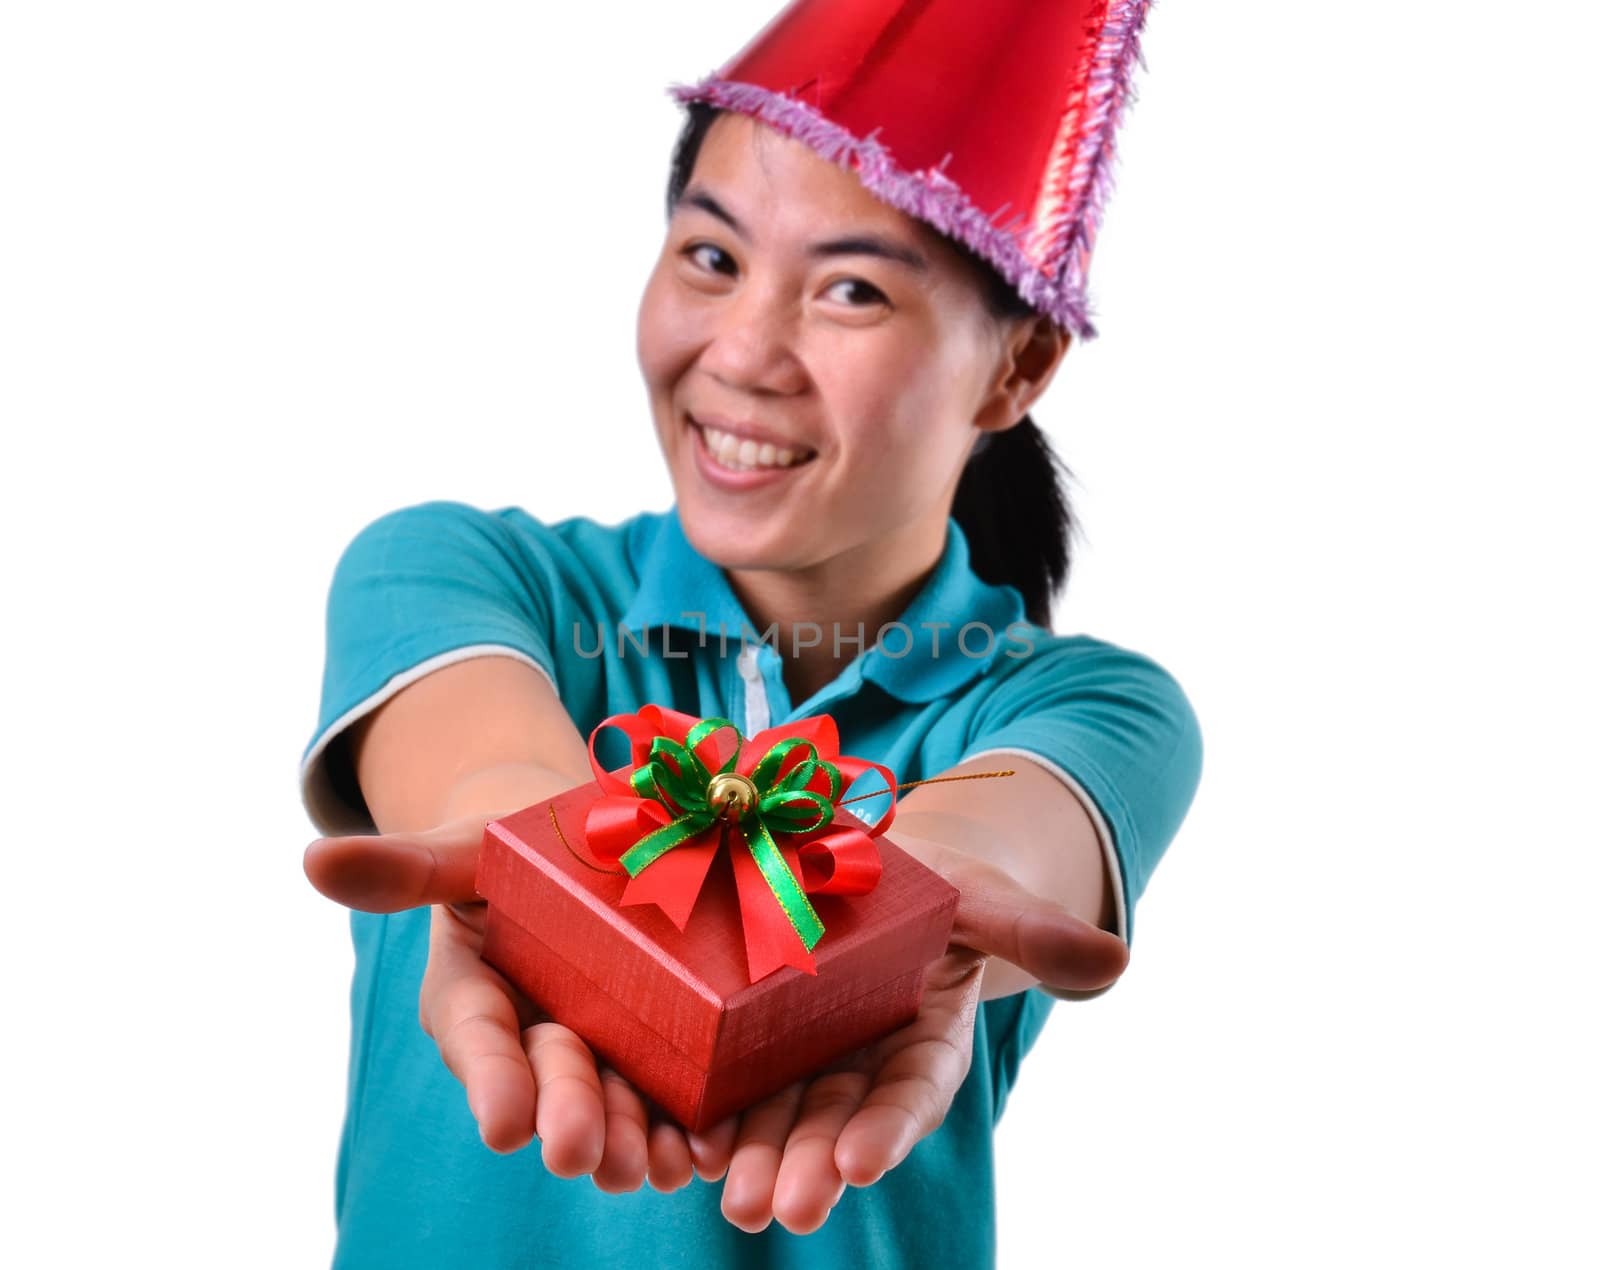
(794, 1153)
(788, 1157)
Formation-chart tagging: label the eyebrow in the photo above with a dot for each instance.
(864, 244)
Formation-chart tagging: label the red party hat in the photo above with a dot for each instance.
(991, 120)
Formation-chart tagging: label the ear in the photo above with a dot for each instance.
(1031, 351)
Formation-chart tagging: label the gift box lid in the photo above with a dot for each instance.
(692, 987)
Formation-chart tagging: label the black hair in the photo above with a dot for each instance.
(1011, 501)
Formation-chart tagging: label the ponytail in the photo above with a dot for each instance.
(1011, 504)
(1011, 501)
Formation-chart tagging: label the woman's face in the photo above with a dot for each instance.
(819, 368)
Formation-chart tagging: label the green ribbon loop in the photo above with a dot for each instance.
(674, 775)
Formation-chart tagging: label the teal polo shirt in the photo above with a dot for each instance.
(623, 614)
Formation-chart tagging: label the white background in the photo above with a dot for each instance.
(267, 271)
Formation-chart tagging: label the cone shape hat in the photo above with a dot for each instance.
(991, 120)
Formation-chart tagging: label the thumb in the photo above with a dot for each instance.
(384, 873)
(999, 916)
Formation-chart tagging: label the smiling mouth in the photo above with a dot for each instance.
(740, 454)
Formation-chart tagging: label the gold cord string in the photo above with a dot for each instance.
(930, 780)
(562, 839)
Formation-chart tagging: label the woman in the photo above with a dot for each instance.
(831, 377)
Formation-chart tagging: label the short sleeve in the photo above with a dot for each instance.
(416, 590)
(1114, 727)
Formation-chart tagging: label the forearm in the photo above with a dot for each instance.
(1059, 863)
(479, 737)
(1054, 857)
(502, 789)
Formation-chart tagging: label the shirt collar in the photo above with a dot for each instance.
(680, 587)
(938, 662)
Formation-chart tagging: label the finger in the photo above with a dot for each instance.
(809, 1183)
(712, 1149)
(385, 873)
(757, 1153)
(905, 1105)
(921, 1072)
(998, 915)
(570, 1114)
(671, 1166)
(626, 1155)
(465, 1007)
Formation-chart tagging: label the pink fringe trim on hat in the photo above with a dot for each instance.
(932, 197)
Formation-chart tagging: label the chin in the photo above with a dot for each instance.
(732, 540)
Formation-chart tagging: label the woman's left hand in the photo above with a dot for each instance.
(791, 1156)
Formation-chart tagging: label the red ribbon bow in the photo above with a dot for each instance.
(825, 860)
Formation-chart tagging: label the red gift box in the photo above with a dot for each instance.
(695, 1018)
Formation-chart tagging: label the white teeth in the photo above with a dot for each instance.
(745, 455)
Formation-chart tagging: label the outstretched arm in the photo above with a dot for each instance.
(459, 747)
(1034, 895)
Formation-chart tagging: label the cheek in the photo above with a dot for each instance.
(666, 336)
(896, 399)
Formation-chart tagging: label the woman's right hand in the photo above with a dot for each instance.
(525, 1075)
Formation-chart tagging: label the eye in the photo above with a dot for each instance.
(694, 252)
(865, 292)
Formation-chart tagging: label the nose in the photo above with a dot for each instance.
(750, 345)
